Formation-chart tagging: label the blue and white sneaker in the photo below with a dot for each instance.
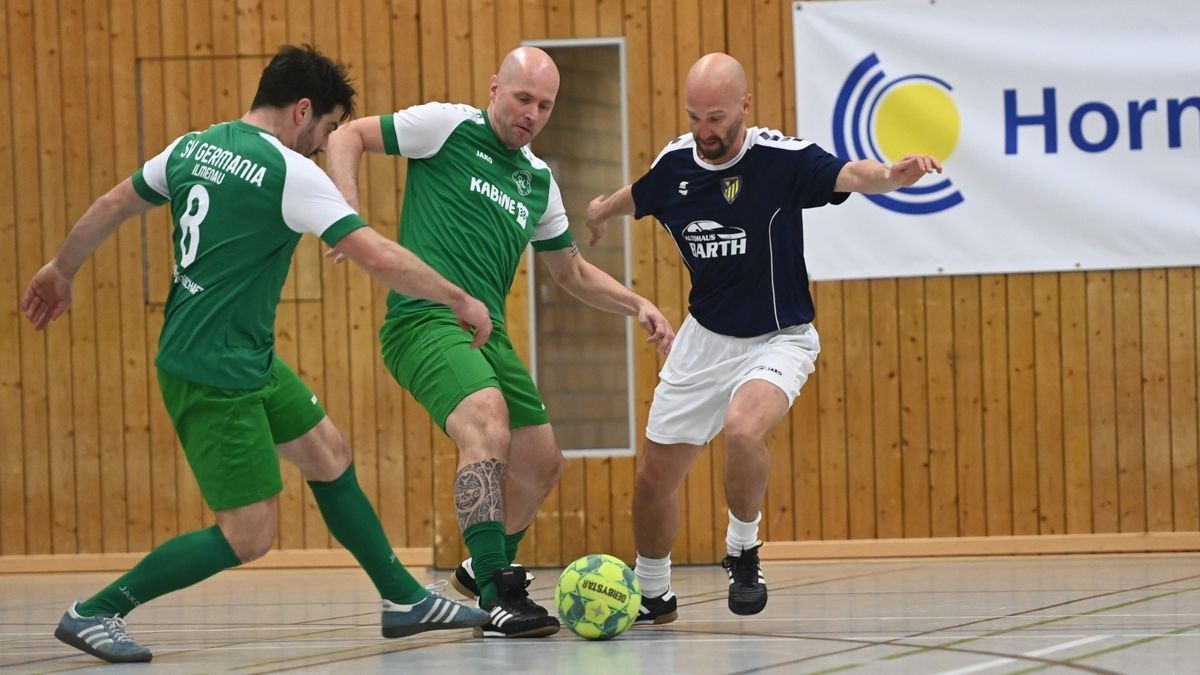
(435, 612)
(101, 636)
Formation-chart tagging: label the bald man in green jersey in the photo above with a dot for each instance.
(241, 195)
(476, 197)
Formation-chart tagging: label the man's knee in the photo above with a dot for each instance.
(549, 468)
(332, 460)
(250, 530)
(256, 546)
(479, 426)
(536, 458)
(660, 471)
(744, 433)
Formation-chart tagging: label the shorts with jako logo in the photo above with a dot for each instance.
(705, 369)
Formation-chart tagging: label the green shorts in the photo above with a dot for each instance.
(431, 356)
(229, 435)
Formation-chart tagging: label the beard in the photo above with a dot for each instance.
(723, 144)
(304, 141)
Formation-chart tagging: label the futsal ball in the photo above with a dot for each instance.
(598, 597)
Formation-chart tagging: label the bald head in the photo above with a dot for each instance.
(522, 95)
(528, 63)
(717, 103)
(715, 78)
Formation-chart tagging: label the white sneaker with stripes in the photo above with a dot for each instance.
(101, 636)
(435, 612)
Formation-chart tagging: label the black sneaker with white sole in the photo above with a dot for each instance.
(513, 614)
(655, 611)
(747, 586)
(463, 581)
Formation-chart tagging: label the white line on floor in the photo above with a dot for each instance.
(987, 665)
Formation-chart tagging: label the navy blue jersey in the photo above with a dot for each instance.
(738, 226)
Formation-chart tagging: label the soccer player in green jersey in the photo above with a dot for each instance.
(241, 194)
(476, 197)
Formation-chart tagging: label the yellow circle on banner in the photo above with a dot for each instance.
(917, 118)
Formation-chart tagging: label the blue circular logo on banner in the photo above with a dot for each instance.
(881, 119)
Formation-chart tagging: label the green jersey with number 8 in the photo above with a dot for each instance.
(240, 200)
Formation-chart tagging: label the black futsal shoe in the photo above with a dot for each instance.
(747, 587)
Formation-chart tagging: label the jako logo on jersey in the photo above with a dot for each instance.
(683, 187)
(709, 239)
(885, 121)
(730, 187)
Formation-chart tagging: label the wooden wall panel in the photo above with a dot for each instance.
(885, 374)
(1102, 410)
(978, 405)
(12, 461)
(112, 516)
(914, 407)
(997, 458)
(34, 364)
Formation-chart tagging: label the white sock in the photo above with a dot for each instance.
(653, 575)
(741, 535)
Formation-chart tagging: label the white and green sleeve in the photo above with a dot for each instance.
(311, 202)
(150, 181)
(421, 130)
(553, 231)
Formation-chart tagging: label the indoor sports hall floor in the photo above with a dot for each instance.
(1119, 614)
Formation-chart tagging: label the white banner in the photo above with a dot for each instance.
(1069, 130)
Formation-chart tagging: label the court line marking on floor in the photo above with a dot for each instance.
(920, 649)
(996, 663)
(1053, 620)
(703, 598)
(684, 638)
(864, 644)
(1117, 648)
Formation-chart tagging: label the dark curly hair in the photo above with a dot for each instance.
(303, 72)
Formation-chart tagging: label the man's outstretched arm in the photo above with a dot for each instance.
(49, 293)
(402, 271)
(601, 209)
(345, 150)
(871, 177)
(595, 287)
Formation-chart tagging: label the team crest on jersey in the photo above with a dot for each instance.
(730, 187)
(524, 181)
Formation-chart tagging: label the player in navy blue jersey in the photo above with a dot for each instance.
(732, 198)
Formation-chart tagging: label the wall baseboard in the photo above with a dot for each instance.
(275, 559)
(1131, 542)
(1046, 544)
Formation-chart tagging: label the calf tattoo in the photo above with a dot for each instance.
(478, 488)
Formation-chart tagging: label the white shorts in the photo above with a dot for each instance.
(705, 369)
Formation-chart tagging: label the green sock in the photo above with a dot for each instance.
(486, 542)
(511, 542)
(178, 563)
(354, 524)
